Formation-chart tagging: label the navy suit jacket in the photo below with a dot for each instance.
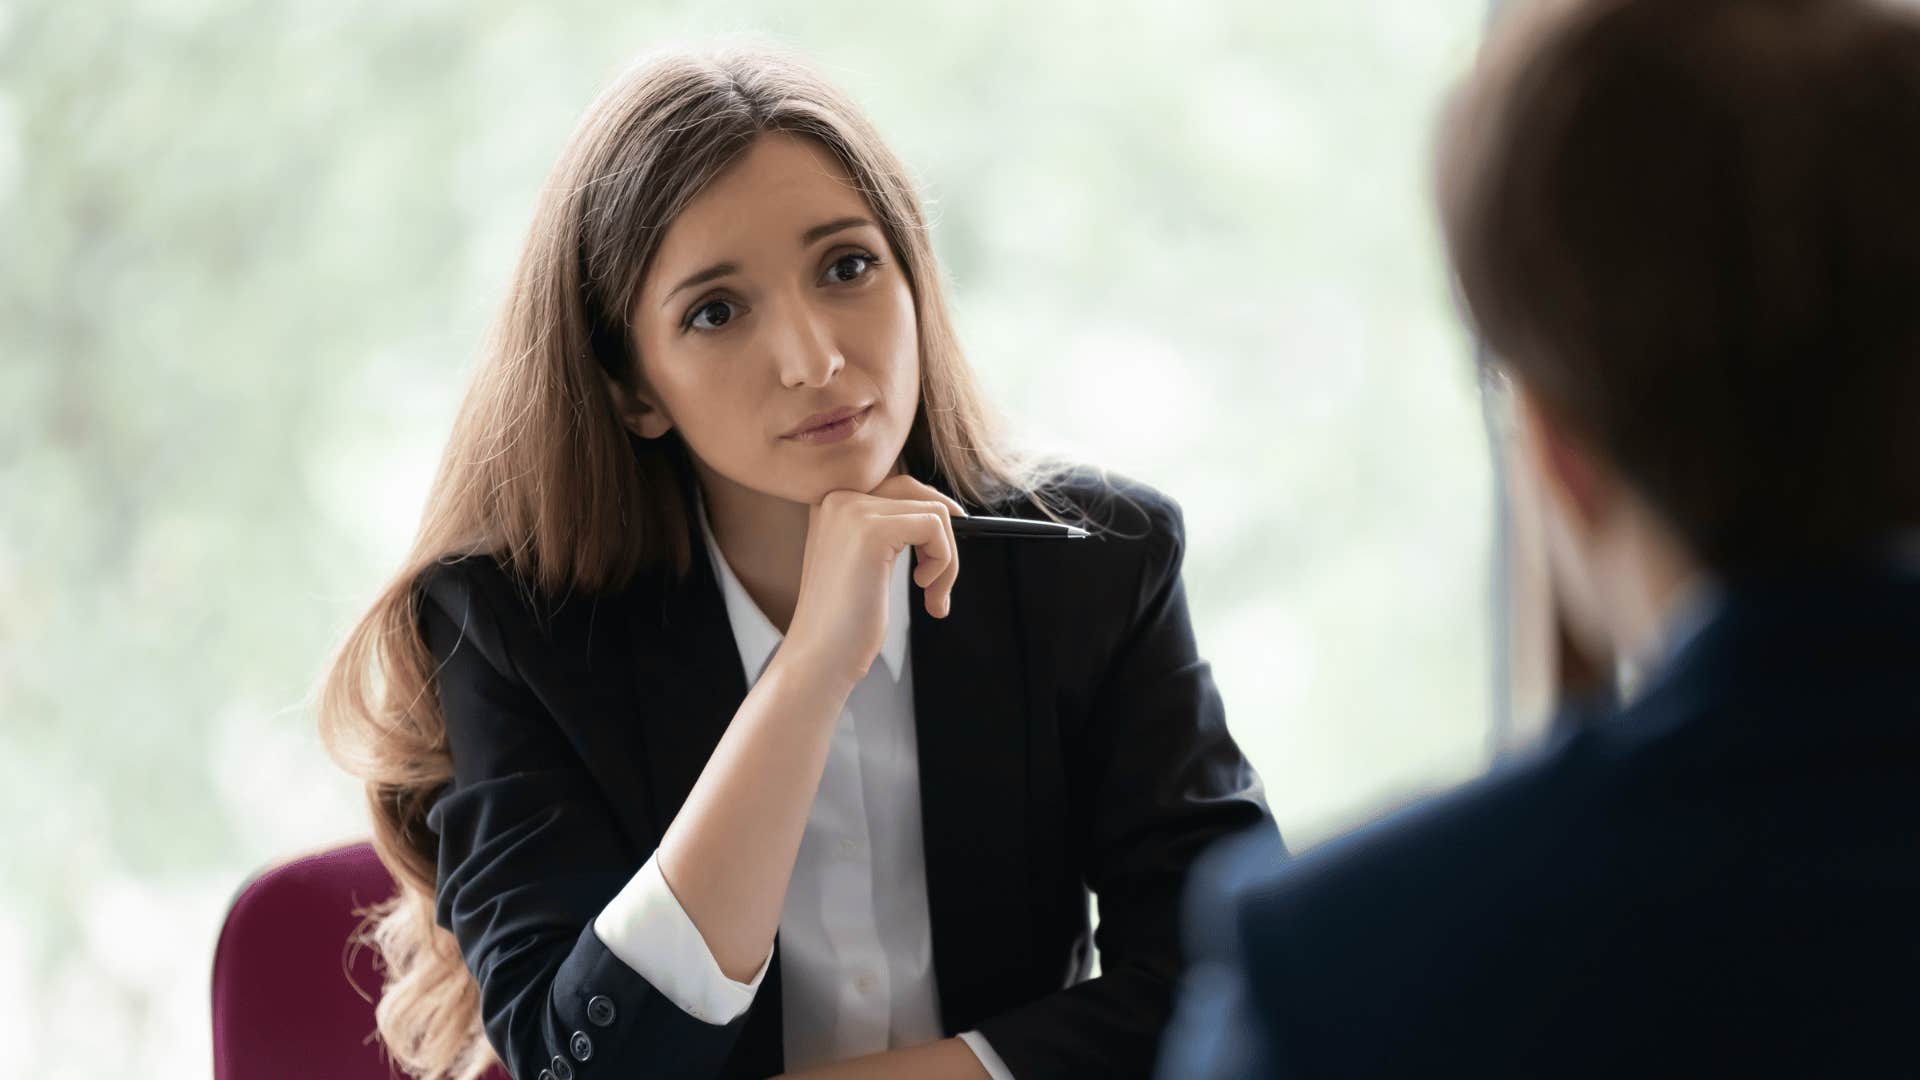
(1070, 738)
(1721, 879)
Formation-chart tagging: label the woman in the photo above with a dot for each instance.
(676, 778)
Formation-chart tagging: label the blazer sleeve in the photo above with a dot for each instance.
(529, 854)
(1218, 1031)
(1154, 778)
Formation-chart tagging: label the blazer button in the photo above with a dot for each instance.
(562, 1069)
(581, 1046)
(600, 1011)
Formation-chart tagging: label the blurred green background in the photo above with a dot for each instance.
(251, 248)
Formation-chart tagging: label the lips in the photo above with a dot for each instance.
(820, 420)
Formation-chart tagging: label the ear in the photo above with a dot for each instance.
(1574, 477)
(639, 410)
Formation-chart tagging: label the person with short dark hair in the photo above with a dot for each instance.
(1690, 233)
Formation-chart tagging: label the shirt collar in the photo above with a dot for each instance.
(755, 635)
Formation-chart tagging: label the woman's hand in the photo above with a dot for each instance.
(853, 539)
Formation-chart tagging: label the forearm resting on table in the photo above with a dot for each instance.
(948, 1059)
(729, 853)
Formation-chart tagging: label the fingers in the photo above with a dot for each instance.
(906, 487)
(937, 558)
(930, 533)
(936, 578)
(903, 493)
(940, 586)
(943, 584)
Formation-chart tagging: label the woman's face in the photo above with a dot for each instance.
(773, 299)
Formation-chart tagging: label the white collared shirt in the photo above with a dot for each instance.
(856, 945)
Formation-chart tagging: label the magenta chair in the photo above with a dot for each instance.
(291, 998)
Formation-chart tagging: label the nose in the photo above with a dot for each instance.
(806, 353)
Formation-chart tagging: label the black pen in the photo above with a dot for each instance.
(1000, 528)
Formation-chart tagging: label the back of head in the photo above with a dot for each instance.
(1690, 228)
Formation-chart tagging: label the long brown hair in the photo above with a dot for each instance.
(540, 474)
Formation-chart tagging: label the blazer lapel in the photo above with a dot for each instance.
(969, 699)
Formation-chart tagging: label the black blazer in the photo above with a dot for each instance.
(1070, 738)
(1723, 879)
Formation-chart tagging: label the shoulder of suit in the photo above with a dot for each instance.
(453, 578)
(458, 581)
(1136, 543)
(1528, 813)
(1114, 507)
(1226, 878)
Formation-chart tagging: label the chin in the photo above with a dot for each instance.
(863, 473)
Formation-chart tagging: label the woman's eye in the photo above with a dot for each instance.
(711, 315)
(850, 267)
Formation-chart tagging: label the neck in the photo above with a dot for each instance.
(764, 539)
(1659, 589)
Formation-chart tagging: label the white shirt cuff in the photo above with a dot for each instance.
(983, 1050)
(650, 932)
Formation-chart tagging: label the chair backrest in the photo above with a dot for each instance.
(292, 996)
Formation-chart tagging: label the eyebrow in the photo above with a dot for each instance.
(819, 232)
(717, 271)
(811, 236)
